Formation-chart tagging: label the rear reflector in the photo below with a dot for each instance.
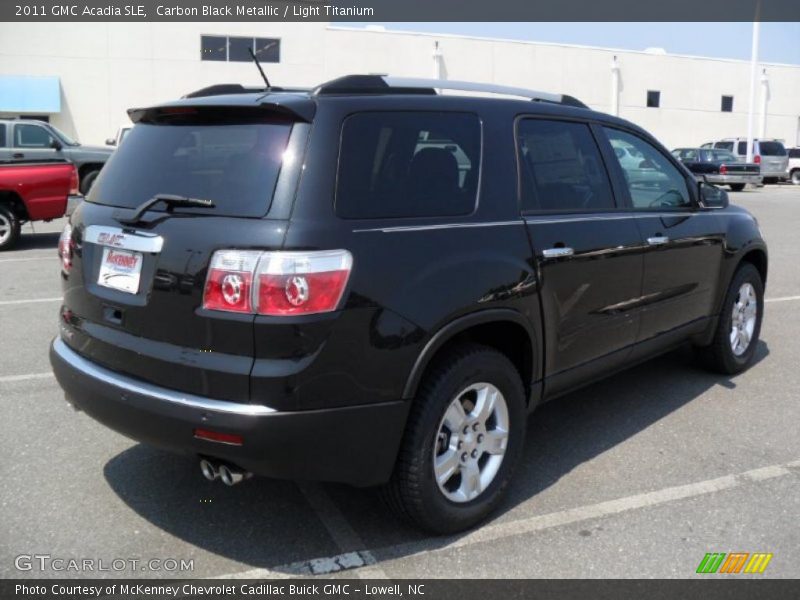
(216, 436)
(277, 283)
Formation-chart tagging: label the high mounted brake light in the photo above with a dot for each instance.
(277, 283)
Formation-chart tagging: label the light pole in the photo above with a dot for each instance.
(614, 87)
(751, 109)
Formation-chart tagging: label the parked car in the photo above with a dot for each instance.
(793, 167)
(377, 318)
(33, 191)
(24, 139)
(719, 166)
(770, 155)
(121, 133)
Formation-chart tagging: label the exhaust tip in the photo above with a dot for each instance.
(209, 470)
(231, 475)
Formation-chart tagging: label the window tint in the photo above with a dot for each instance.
(727, 104)
(408, 164)
(234, 165)
(724, 145)
(2, 135)
(32, 136)
(689, 154)
(653, 181)
(213, 47)
(794, 153)
(722, 155)
(653, 98)
(772, 149)
(560, 167)
(741, 148)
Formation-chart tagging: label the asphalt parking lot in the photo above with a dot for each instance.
(637, 476)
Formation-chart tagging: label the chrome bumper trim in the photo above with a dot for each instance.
(134, 386)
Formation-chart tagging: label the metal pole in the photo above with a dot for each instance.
(751, 109)
(614, 87)
(762, 126)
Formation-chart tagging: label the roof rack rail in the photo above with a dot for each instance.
(384, 84)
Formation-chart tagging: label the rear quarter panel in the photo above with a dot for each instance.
(43, 188)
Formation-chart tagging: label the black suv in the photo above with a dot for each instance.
(374, 283)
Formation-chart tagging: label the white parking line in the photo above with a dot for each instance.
(26, 259)
(29, 301)
(26, 377)
(783, 299)
(500, 531)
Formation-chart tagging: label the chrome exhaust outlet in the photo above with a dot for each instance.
(231, 475)
(209, 470)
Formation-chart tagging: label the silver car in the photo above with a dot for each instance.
(771, 155)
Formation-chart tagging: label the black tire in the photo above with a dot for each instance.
(87, 181)
(737, 187)
(794, 177)
(770, 180)
(9, 228)
(413, 492)
(719, 355)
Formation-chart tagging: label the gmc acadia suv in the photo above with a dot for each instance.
(374, 283)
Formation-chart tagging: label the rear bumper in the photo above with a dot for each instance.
(734, 179)
(356, 445)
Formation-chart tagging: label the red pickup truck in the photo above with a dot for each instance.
(33, 191)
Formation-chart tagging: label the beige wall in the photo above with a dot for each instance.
(106, 68)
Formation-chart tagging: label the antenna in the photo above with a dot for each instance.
(260, 70)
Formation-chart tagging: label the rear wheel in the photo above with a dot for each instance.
(463, 440)
(9, 228)
(739, 325)
(795, 177)
(737, 187)
(87, 181)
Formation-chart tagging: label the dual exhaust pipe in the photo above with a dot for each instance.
(229, 474)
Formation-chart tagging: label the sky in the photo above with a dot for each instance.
(779, 42)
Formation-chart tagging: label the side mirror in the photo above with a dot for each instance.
(711, 196)
(111, 142)
(55, 144)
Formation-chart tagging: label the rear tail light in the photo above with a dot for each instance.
(229, 285)
(65, 248)
(723, 169)
(757, 159)
(277, 283)
(74, 185)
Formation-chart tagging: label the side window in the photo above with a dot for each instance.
(408, 164)
(653, 181)
(560, 167)
(31, 136)
(2, 135)
(742, 148)
(724, 145)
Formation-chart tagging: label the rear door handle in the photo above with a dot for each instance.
(557, 252)
(658, 240)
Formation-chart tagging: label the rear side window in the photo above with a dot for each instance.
(408, 164)
(560, 167)
(235, 165)
(794, 153)
(2, 135)
(725, 146)
(772, 149)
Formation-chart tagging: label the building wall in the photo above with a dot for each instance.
(106, 68)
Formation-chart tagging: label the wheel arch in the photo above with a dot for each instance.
(758, 258)
(13, 201)
(506, 330)
(86, 168)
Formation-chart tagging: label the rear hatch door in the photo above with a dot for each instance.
(134, 295)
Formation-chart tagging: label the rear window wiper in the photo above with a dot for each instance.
(170, 200)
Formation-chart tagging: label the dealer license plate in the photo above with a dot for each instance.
(120, 270)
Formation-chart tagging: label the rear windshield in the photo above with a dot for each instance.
(234, 165)
(772, 149)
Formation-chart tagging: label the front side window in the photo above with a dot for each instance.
(408, 164)
(560, 168)
(32, 136)
(653, 181)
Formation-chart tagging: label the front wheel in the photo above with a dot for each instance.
(463, 440)
(739, 325)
